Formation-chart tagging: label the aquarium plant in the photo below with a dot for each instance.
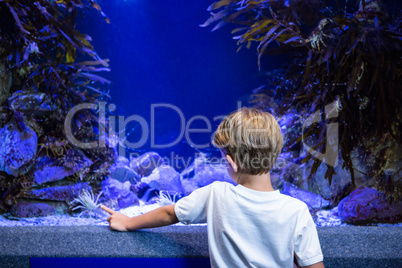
(47, 66)
(343, 54)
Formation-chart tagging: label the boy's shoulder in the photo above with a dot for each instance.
(289, 201)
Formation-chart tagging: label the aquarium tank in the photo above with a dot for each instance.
(115, 103)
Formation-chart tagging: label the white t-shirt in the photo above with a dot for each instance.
(248, 228)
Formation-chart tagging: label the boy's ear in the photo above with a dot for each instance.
(232, 163)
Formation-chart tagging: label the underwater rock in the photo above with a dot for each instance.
(164, 178)
(129, 200)
(365, 163)
(122, 172)
(276, 181)
(284, 159)
(17, 148)
(120, 191)
(114, 189)
(32, 103)
(146, 163)
(140, 188)
(367, 205)
(32, 208)
(288, 156)
(51, 169)
(57, 193)
(319, 184)
(291, 128)
(148, 194)
(313, 201)
(292, 174)
(189, 185)
(123, 161)
(206, 173)
(6, 80)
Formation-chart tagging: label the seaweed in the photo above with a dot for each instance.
(39, 43)
(350, 55)
(41, 79)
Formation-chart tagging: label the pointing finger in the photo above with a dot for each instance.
(108, 210)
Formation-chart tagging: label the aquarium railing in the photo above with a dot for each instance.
(342, 246)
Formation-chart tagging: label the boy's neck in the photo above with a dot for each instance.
(256, 182)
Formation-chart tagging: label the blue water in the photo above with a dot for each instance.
(159, 54)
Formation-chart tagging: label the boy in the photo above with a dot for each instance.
(250, 224)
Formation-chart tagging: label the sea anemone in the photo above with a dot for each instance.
(87, 202)
(166, 199)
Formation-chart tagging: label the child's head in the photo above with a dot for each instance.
(252, 138)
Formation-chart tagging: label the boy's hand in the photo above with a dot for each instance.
(117, 221)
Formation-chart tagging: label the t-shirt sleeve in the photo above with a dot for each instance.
(307, 244)
(193, 208)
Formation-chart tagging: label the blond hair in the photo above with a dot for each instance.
(252, 138)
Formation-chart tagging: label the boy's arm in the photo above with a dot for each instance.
(156, 218)
(315, 265)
